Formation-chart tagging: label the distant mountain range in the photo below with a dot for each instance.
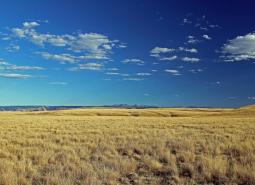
(126, 106)
(48, 108)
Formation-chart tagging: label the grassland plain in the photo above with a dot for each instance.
(128, 146)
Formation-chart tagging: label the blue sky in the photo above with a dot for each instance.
(165, 53)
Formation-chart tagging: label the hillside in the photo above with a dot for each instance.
(249, 107)
(147, 112)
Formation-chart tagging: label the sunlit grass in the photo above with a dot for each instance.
(127, 146)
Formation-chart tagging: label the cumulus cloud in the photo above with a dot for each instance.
(207, 37)
(30, 24)
(158, 50)
(191, 50)
(239, 48)
(58, 41)
(190, 59)
(163, 53)
(91, 45)
(95, 45)
(133, 61)
(192, 40)
(62, 58)
(18, 32)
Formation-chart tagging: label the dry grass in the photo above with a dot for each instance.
(127, 146)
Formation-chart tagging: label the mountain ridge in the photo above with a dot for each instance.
(124, 106)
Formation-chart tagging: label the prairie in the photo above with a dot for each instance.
(128, 146)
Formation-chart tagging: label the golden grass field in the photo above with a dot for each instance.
(128, 146)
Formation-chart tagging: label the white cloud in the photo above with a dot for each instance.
(159, 50)
(13, 48)
(7, 66)
(192, 40)
(201, 23)
(57, 41)
(5, 36)
(173, 72)
(19, 32)
(232, 98)
(190, 59)
(239, 48)
(133, 79)
(111, 73)
(203, 28)
(30, 24)
(214, 26)
(88, 66)
(196, 70)
(207, 37)
(23, 68)
(113, 69)
(192, 50)
(125, 75)
(160, 53)
(63, 58)
(122, 45)
(13, 75)
(217, 83)
(2, 62)
(169, 58)
(133, 61)
(186, 21)
(91, 45)
(143, 74)
(58, 83)
(251, 97)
